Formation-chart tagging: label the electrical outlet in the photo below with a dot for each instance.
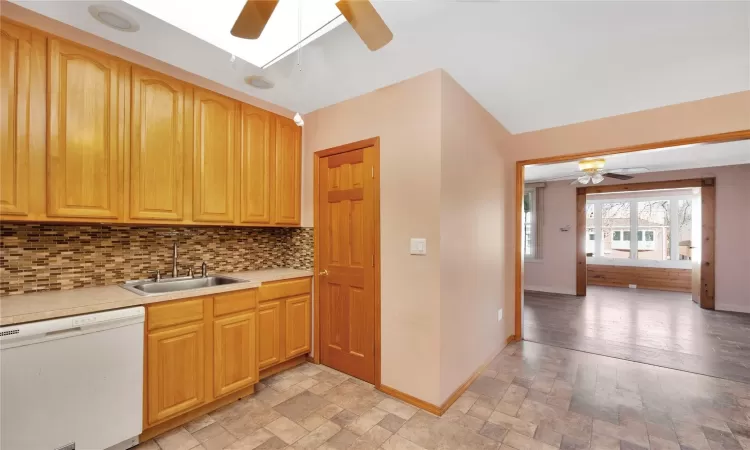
(500, 314)
(633, 286)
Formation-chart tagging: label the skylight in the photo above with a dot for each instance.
(212, 21)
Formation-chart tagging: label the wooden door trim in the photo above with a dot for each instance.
(518, 237)
(365, 143)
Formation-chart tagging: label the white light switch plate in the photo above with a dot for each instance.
(418, 246)
(500, 314)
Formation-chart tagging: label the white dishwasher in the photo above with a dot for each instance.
(72, 383)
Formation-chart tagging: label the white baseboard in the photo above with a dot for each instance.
(550, 289)
(733, 308)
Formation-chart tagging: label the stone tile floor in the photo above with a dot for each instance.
(531, 397)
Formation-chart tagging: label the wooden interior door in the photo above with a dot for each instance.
(347, 230)
(83, 146)
(255, 166)
(176, 370)
(214, 150)
(157, 147)
(15, 79)
(287, 172)
(235, 361)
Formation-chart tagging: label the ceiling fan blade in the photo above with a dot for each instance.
(253, 18)
(617, 176)
(366, 21)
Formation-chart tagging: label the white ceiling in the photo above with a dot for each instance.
(659, 160)
(533, 65)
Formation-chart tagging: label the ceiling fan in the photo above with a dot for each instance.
(360, 14)
(592, 171)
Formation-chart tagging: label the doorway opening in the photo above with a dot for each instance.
(635, 263)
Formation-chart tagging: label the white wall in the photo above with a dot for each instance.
(556, 272)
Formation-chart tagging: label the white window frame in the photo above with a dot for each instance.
(674, 263)
(533, 229)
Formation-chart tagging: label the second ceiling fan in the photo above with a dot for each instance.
(360, 14)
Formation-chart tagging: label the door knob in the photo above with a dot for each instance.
(323, 273)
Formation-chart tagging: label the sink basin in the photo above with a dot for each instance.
(151, 287)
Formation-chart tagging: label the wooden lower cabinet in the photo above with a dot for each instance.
(297, 331)
(176, 371)
(235, 359)
(284, 321)
(269, 334)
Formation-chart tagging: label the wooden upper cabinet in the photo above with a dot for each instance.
(157, 147)
(288, 170)
(15, 80)
(256, 164)
(86, 113)
(214, 157)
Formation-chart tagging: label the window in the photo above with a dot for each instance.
(653, 230)
(532, 223)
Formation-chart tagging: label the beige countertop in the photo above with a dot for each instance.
(15, 309)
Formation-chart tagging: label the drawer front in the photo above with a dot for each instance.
(286, 288)
(174, 313)
(234, 302)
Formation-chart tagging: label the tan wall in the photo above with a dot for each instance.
(32, 19)
(406, 117)
(472, 212)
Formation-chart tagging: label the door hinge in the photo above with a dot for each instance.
(372, 172)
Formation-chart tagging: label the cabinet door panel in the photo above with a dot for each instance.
(269, 334)
(235, 360)
(15, 81)
(176, 371)
(287, 172)
(255, 166)
(214, 132)
(83, 135)
(157, 150)
(297, 326)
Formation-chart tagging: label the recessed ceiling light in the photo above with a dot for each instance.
(259, 82)
(113, 18)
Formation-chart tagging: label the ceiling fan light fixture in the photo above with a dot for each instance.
(597, 178)
(591, 164)
(584, 179)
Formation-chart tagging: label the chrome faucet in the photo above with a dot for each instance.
(174, 260)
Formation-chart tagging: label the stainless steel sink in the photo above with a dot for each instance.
(151, 287)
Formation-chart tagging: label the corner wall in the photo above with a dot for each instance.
(472, 212)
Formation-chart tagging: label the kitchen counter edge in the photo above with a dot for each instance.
(32, 307)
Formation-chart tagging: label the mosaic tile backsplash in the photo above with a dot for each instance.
(35, 257)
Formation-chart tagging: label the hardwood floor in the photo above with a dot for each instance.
(654, 327)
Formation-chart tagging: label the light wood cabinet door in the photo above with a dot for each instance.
(235, 359)
(297, 325)
(176, 371)
(269, 333)
(287, 172)
(157, 147)
(255, 166)
(214, 157)
(85, 111)
(15, 81)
